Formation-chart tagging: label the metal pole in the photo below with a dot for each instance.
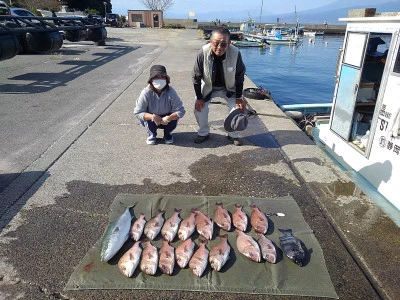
(105, 8)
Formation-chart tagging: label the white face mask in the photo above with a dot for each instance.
(159, 84)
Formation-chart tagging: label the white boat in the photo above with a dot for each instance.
(277, 35)
(248, 44)
(312, 33)
(272, 40)
(363, 131)
(309, 33)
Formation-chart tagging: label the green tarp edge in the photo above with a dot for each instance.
(239, 275)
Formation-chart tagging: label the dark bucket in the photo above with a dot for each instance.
(44, 41)
(9, 46)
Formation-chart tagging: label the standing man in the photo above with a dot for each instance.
(218, 72)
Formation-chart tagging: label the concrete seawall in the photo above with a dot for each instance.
(189, 23)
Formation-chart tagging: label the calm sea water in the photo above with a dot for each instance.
(296, 74)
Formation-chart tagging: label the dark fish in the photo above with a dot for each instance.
(291, 246)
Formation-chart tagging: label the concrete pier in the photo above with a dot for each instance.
(50, 221)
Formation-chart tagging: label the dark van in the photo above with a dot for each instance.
(113, 20)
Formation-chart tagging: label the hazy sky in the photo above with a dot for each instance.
(205, 6)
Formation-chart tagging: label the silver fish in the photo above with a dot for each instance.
(187, 227)
(184, 252)
(219, 254)
(153, 227)
(167, 258)
(129, 261)
(248, 246)
(204, 225)
(222, 217)
(137, 227)
(292, 247)
(239, 218)
(149, 262)
(258, 220)
(170, 227)
(199, 260)
(268, 250)
(115, 236)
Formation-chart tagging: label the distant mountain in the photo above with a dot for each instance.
(331, 13)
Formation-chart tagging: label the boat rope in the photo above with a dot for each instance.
(252, 113)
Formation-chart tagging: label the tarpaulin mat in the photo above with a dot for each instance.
(239, 275)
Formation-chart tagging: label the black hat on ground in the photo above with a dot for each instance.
(236, 120)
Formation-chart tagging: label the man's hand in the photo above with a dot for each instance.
(164, 121)
(199, 104)
(156, 119)
(240, 103)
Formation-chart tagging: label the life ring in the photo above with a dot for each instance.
(257, 93)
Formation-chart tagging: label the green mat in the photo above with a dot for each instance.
(239, 275)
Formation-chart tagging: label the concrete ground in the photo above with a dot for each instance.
(49, 226)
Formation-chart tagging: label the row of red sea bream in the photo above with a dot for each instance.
(145, 253)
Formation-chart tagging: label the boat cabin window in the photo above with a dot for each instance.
(368, 88)
(396, 68)
(359, 86)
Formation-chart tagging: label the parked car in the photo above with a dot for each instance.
(113, 20)
(4, 9)
(21, 12)
(98, 17)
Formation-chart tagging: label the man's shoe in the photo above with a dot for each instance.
(234, 141)
(201, 138)
(168, 138)
(151, 140)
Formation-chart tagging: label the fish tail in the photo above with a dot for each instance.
(285, 231)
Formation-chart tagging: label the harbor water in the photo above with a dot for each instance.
(299, 74)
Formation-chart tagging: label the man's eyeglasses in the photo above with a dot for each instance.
(221, 44)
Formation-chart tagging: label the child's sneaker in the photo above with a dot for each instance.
(151, 140)
(169, 139)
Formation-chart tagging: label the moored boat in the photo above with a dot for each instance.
(277, 40)
(363, 131)
(309, 33)
(248, 43)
